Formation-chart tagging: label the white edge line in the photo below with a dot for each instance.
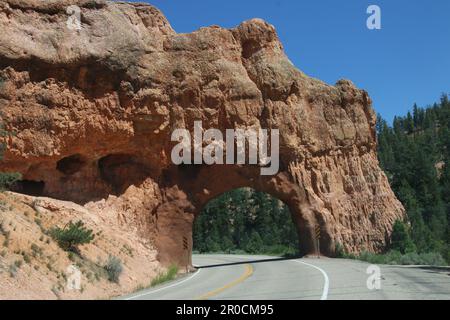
(324, 296)
(326, 284)
(160, 289)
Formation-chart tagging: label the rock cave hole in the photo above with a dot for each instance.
(122, 170)
(29, 187)
(71, 164)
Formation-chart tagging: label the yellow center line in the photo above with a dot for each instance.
(248, 272)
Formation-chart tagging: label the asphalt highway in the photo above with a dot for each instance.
(266, 277)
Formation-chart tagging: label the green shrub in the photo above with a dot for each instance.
(238, 251)
(113, 268)
(255, 243)
(339, 251)
(71, 256)
(72, 235)
(26, 258)
(372, 258)
(401, 239)
(394, 257)
(36, 250)
(278, 250)
(446, 253)
(7, 179)
(12, 269)
(18, 263)
(170, 274)
(432, 259)
(409, 259)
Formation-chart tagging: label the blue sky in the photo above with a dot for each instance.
(407, 61)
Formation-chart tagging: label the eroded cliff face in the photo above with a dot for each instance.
(92, 112)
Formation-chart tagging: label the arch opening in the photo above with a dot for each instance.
(185, 198)
(245, 220)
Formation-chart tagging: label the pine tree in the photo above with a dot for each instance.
(416, 116)
(415, 154)
(409, 123)
(401, 240)
(72, 235)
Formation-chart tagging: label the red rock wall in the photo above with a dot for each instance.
(92, 112)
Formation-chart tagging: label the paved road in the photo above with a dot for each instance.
(264, 277)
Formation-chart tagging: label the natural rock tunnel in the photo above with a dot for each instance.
(91, 117)
(197, 186)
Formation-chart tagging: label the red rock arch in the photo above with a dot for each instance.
(194, 187)
(115, 104)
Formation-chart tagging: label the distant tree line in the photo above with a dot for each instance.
(414, 152)
(245, 220)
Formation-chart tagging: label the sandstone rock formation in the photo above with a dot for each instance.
(92, 112)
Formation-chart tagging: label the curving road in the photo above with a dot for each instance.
(265, 277)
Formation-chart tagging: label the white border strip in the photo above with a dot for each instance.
(324, 296)
(160, 289)
(326, 284)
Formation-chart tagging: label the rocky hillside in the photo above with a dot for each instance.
(33, 266)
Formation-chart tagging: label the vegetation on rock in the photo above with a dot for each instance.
(72, 235)
(169, 275)
(113, 268)
(6, 178)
